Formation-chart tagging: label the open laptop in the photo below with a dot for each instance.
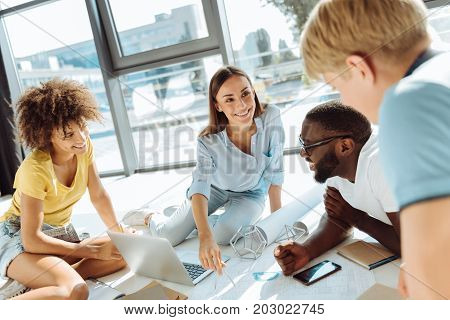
(156, 258)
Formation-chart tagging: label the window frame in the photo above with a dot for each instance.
(190, 50)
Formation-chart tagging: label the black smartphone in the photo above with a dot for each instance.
(317, 272)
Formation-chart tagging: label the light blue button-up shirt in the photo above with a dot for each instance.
(221, 164)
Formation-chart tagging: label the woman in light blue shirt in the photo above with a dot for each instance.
(239, 162)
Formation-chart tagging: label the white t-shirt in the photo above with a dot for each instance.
(370, 192)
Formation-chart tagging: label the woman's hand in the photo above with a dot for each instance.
(209, 254)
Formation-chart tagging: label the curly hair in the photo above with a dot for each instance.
(53, 104)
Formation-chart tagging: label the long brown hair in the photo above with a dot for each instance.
(217, 120)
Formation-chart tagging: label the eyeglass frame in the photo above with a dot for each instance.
(319, 143)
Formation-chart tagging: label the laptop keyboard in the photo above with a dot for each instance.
(194, 270)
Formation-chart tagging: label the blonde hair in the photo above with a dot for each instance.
(337, 29)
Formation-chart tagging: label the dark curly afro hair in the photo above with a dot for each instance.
(54, 104)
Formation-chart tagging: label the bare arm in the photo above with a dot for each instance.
(395, 220)
(101, 200)
(275, 197)
(328, 234)
(209, 252)
(35, 241)
(200, 210)
(340, 209)
(382, 232)
(425, 248)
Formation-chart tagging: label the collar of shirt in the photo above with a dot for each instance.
(227, 140)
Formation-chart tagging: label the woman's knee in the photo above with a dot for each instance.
(73, 291)
(79, 292)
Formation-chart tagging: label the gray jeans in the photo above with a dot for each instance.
(241, 208)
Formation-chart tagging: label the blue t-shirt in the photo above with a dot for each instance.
(414, 134)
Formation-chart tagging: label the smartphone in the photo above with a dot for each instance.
(317, 272)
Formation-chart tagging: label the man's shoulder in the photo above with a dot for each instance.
(369, 153)
(430, 80)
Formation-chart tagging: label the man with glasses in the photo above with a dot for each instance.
(338, 143)
(379, 55)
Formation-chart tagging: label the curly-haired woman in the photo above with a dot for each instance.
(52, 121)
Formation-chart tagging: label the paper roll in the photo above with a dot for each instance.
(272, 226)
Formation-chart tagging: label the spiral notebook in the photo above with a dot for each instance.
(367, 254)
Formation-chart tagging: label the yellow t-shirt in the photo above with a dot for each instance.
(36, 178)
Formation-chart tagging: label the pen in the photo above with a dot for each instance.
(381, 262)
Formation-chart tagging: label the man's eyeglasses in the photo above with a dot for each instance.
(305, 148)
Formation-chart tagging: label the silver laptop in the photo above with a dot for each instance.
(156, 258)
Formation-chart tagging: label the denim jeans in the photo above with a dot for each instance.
(241, 208)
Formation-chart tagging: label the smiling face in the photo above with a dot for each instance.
(236, 99)
(322, 159)
(72, 142)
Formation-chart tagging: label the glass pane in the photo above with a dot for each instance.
(55, 40)
(266, 46)
(144, 25)
(167, 108)
(439, 19)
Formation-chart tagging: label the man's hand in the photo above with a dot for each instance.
(291, 257)
(336, 207)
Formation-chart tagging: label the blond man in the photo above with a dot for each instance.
(377, 55)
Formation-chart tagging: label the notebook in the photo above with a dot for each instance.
(155, 291)
(369, 255)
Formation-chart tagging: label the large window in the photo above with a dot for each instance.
(144, 25)
(141, 32)
(266, 46)
(167, 107)
(160, 56)
(439, 19)
(55, 40)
